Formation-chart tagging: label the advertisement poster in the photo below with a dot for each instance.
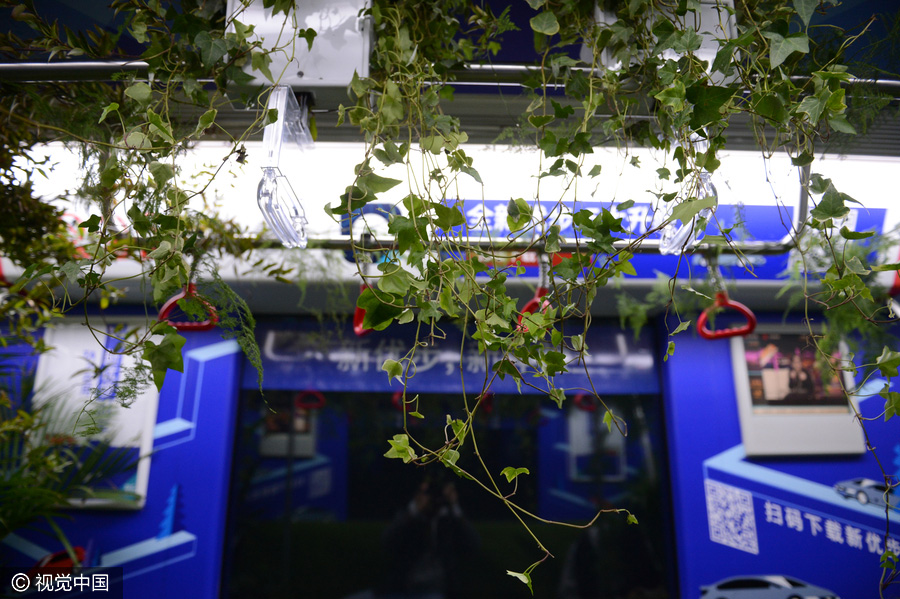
(81, 382)
(791, 400)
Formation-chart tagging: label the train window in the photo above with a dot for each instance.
(318, 510)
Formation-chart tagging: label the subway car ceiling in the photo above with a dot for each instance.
(762, 194)
(759, 195)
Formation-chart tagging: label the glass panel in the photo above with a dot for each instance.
(350, 523)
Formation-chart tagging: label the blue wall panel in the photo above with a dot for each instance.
(173, 546)
(740, 516)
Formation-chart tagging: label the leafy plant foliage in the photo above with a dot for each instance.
(641, 82)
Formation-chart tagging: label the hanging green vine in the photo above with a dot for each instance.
(641, 81)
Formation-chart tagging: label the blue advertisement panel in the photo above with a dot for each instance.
(172, 546)
(810, 525)
(746, 222)
(331, 358)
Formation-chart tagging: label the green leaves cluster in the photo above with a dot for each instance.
(132, 132)
(650, 74)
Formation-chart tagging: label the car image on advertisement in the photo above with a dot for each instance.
(764, 587)
(866, 491)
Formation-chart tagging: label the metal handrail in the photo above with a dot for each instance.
(647, 246)
(471, 74)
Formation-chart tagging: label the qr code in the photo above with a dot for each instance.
(731, 518)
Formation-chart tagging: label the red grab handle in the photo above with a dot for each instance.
(359, 315)
(487, 402)
(188, 325)
(722, 301)
(534, 304)
(585, 402)
(398, 404)
(309, 400)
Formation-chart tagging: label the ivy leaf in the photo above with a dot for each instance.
(518, 214)
(522, 576)
(139, 220)
(407, 234)
(391, 154)
(395, 279)
(380, 309)
(504, 367)
(376, 183)
(71, 271)
(818, 183)
(608, 420)
(511, 473)
(805, 9)
(781, 47)
(682, 326)
(211, 49)
(449, 458)
(813, 107)
(391, 103)
(139, 92)
(708, 101)
(459, 428)
(92, 224)
(722, 62)
(259, 61)
(161, 172)
(429, 311)
(432, 143)
(891, 402)
(160, 127)
(670, 351)
(854, 235)
(545, 23)
(551, 242)
(162, 251)
(561, 111)
(803, 159)
(471, 172)
(448, 216)
(205, 122)
(771, 107)
(393, 368)
(888, 362)
(855, 265)
(840, 124)
(687, 210)
(830, 206)
(307, 34)
(165, 355)
(400, 449)
(687, 41)
(673, 96)
(538, 121)
(110, 108)
(555, 362)
(138, 141)
(558, 396)
(886, 267)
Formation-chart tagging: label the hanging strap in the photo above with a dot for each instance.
(190, 291)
